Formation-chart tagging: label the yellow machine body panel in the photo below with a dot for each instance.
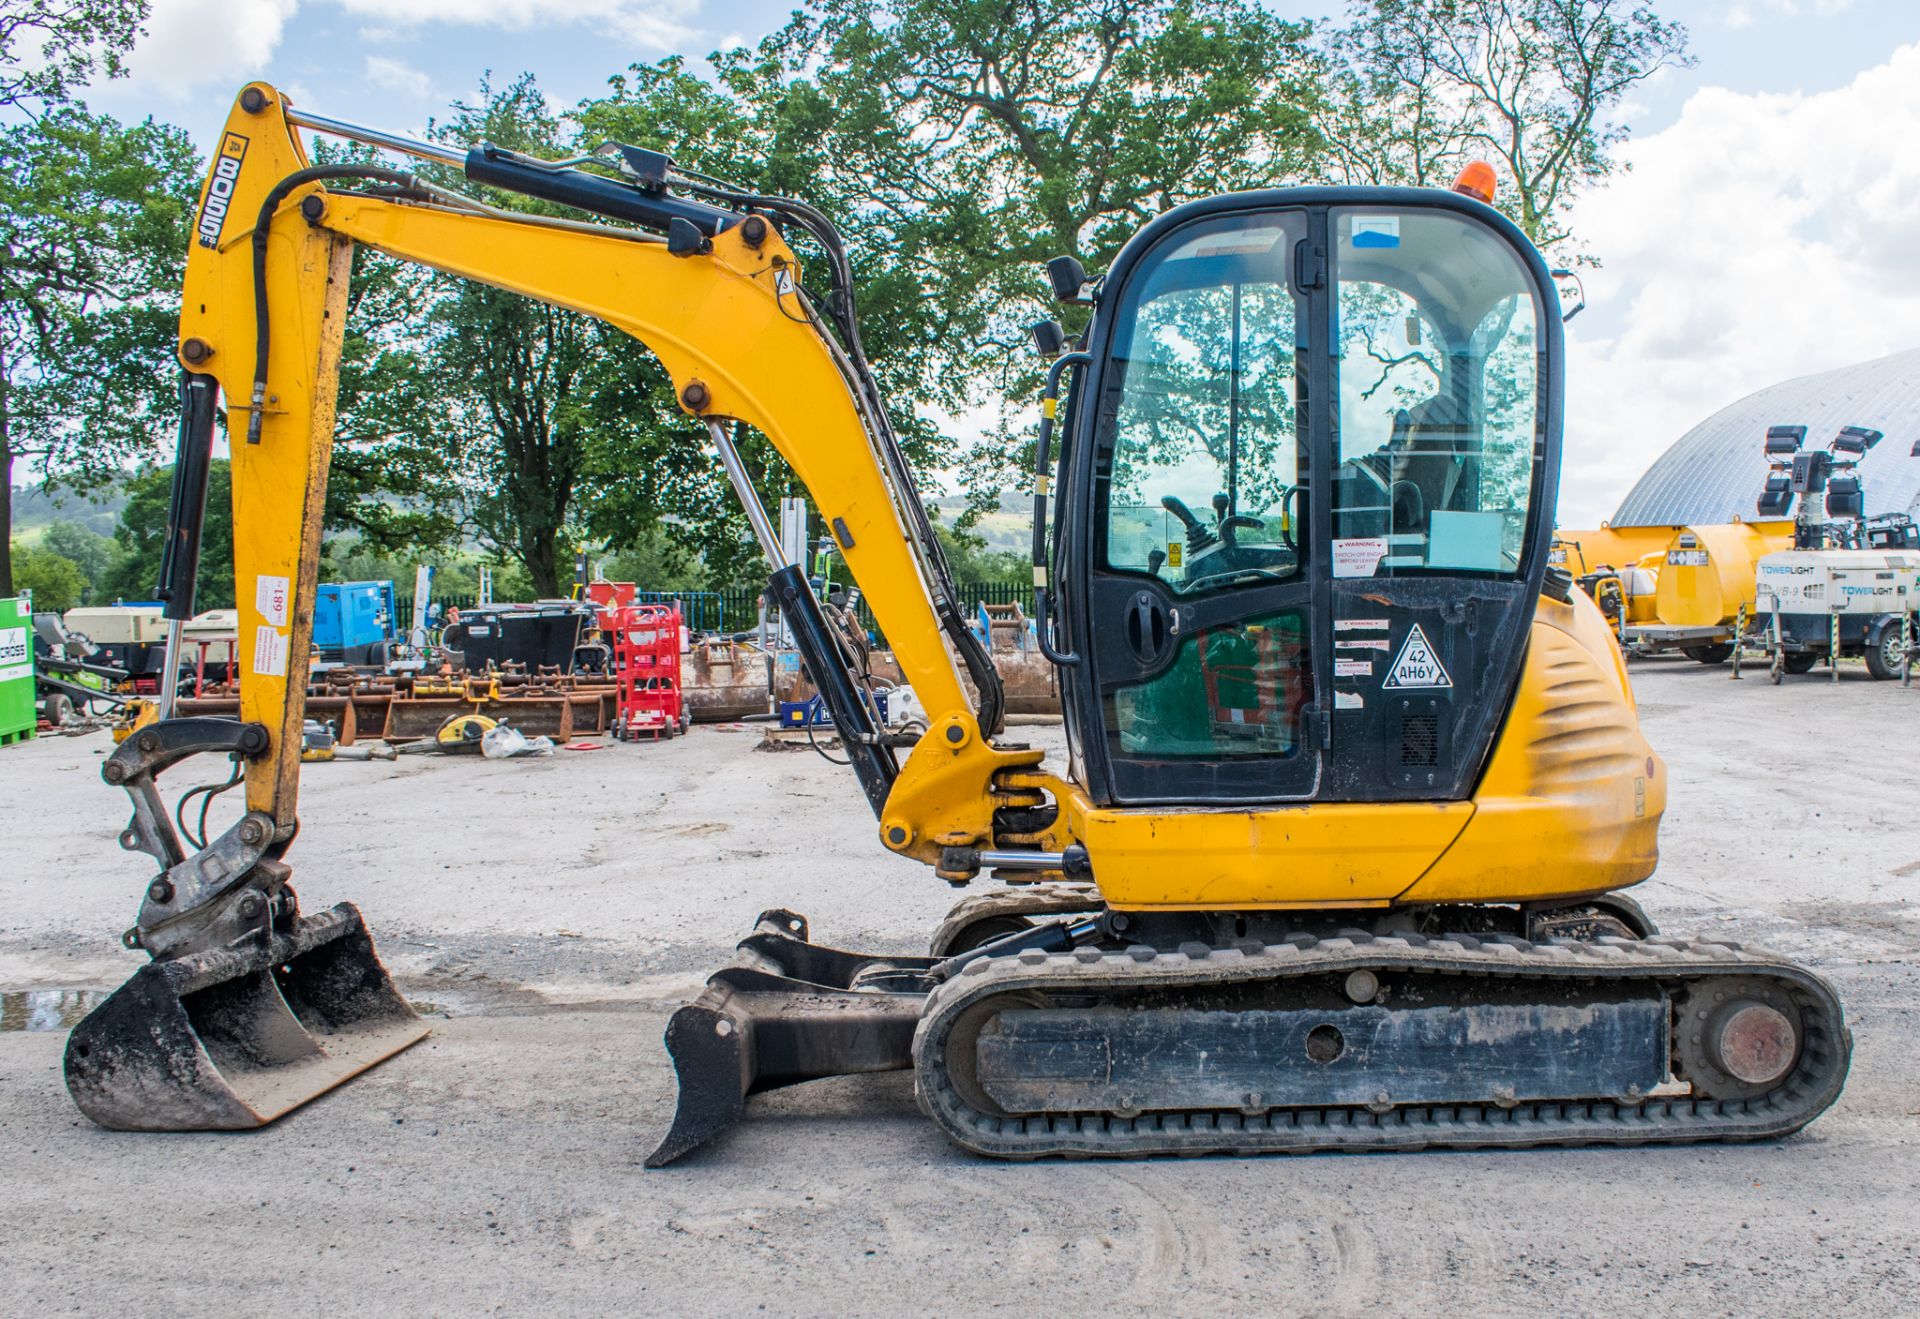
(1327, 855)
(1707, 574)
(1571, 799)
(1640, 585)
(1569, 805)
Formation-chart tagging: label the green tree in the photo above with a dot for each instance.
(141, 536)
(508, 372)
(49, 49)
(91, 552)
(650, 476)
(92, 226)
(391, 487)
(56, 581)
(978, 138)
(1418, 87)
(89, 217)
(93, 236)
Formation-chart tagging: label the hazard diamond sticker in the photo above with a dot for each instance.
(1417, 666)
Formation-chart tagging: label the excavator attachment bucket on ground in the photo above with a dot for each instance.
(785, 1011)
(231, 1039)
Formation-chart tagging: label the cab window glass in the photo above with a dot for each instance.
(1199, 455)
(1439, 416)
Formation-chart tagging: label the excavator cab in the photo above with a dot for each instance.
(1305, 499)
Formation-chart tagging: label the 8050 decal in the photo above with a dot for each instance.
(219, 199)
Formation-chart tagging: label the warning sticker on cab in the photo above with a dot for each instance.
(1418, 664)
(1352, 668)
(269, 652)
(1376, 231)
(1359, 625)
(1359, 556)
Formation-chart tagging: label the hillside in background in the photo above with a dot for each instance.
(35, 508)
(1008, 528)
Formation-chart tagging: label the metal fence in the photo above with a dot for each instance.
(738, 609)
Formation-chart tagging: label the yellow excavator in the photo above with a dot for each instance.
(1353, 779)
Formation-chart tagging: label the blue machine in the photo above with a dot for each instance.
(353, 622)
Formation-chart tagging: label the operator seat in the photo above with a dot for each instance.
(1427, 460)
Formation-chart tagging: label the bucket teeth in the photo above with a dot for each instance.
(232, 1039)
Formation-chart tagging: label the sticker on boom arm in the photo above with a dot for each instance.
(220, 185)
(1418, 665)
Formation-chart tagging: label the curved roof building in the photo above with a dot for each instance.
(1714, 473)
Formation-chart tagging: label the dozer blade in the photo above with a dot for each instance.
(232, 1039)
(785, 1011)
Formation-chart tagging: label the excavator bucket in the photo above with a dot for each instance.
(227, 1040)
(785, 1011)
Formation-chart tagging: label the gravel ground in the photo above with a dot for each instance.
(553, 913)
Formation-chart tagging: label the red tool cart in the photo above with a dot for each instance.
(646, 667)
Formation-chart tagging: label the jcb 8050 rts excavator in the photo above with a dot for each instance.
(1353, 777)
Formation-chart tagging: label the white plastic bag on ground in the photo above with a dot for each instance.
(504, 743)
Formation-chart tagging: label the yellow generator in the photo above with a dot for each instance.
(1704, 586)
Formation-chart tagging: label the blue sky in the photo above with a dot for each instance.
(1760, 233)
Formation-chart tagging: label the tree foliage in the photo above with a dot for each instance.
(976, 140)
(88, 550)
(1418, 87)
(49, 49)
(93, 236)
(57, 583)
(141, 537)
(93, 225)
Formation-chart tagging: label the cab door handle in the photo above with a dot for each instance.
(1146, 627)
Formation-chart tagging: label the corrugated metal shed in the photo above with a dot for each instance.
(1715, 471)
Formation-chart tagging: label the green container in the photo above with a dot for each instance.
(19, 714)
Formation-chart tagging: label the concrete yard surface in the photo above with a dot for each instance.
(550, 914)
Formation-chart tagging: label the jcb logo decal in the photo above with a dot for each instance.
(226, 175)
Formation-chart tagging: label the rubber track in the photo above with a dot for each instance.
(1813, 1085)
(1059, 899)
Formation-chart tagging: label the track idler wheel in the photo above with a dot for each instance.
(1737, 1038)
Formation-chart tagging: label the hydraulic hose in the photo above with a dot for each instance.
(262, 229)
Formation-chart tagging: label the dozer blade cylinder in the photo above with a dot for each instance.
(232, 1039)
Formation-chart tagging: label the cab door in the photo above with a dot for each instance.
(1202, 578)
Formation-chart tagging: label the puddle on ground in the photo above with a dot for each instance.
(62, 1009)
(47, 1009)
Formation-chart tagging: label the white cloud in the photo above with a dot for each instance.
(194, 44)
(191, 43)
(1745, 13)
(1759, 237)
(653, 25)
(399, 76)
